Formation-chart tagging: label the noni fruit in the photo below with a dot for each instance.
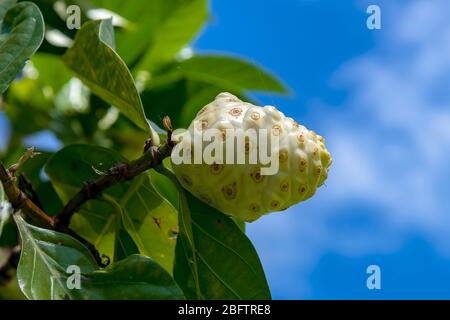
(242, 188)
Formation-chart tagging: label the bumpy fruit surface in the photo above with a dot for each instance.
(239, 189)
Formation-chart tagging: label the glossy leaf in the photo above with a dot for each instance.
(149, 219)
(214, 258)
(93, 59)
(230, 72)
(46, 256)
(21, 34)
(136, 277)
(44, 260)
(181, 21)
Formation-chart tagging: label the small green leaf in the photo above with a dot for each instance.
(43, 271)
(21, 34)
(93, 59)
(149, 219)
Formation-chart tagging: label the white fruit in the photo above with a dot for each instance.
(239, 189)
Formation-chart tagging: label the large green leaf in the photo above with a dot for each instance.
(47, 255)
(21, 34)
(214, 258)
(149, 219)
(44, 260)
(224, 71)
(93, 59)
(136, 277)
(156, 29)
(181, 21)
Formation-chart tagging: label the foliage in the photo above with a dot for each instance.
(101, 99)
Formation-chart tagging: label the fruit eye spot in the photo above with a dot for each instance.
(301, 139)
(276, 130)
(216, 168)
(275, 204)
(255, 116)
(229, 191)
(319, 170)
(254, 207)
(302, 189)
(302, 165)
(284, 186)
(283, 155)
(186, 180)
(316, 152)
(257, 177)
(235, 112)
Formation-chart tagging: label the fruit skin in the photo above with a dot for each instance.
(240, 190)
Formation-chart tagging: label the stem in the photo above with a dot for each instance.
(152, 157)
(20, 201)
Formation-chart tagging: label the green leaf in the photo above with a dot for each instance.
(214, 258)
(181, 21)
(21, 34)
(52, 71)
(28, 107)
(44, 260)
(46, 256)
(93, 59)
(149, 219)
(229, 72)
(136, 277)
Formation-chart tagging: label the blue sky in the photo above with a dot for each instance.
(381, 99)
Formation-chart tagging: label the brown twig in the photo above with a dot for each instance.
(119, 172)
(20, 201)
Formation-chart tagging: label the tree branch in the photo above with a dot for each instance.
(20, 201)
(120, 172)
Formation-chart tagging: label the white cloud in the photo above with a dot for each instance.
(390, 143)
